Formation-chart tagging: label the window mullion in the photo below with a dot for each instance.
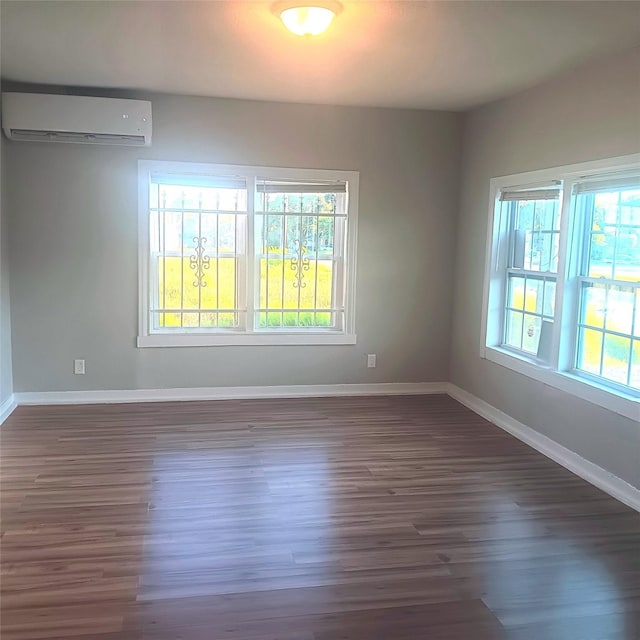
(560, 356)
(253, 263)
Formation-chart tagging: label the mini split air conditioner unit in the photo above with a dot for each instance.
(42, 117)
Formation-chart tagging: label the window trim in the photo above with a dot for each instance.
(559, 373)
(235, 337)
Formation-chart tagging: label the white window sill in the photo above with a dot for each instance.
(601, 395)
(273, 338)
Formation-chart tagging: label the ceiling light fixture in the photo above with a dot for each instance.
(309, 18)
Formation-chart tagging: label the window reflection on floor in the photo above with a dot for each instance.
(219, 519)
(550, 581)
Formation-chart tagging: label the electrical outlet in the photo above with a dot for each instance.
(371, 360)
(78, 367)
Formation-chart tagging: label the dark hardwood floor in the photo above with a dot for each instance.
(314, 519)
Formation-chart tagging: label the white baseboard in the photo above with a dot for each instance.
(229, 393)
(592, 473)
(7, 407)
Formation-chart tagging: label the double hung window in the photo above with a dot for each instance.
(562, 285)
(246, 255)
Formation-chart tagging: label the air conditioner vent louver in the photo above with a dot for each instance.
(81, 138)
(78, 119)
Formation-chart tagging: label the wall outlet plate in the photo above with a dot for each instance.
(78, 367)
(371, 360)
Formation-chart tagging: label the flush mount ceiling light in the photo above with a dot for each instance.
(308, 18)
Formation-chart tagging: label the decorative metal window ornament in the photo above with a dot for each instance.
(299, 264)
(199, 262)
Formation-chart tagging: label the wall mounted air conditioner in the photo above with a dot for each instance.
(43, 117)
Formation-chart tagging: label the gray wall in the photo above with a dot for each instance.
(74, 246)
(6, 377)
(591, 113)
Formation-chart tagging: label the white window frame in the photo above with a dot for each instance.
(248, 335)
(559, 372)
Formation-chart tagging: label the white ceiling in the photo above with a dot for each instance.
(424, 54)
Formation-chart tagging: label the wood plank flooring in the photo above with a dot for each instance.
(386, 518)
